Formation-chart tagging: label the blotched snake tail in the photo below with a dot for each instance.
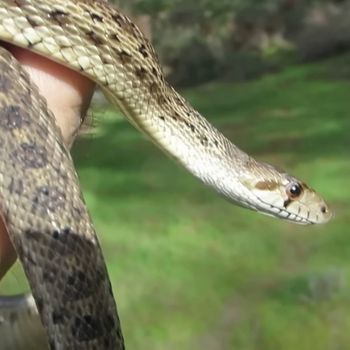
(40, 196)
(48, 221)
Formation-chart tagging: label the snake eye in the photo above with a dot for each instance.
(294, 190)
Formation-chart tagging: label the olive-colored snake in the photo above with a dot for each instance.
(40, 197)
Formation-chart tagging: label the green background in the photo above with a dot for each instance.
(190, 270)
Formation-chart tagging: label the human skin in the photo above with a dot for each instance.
(68, 95)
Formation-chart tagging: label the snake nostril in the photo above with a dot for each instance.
(323, 209)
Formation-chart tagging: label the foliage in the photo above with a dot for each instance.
(193, 65)
(331, 36)
(214, 33)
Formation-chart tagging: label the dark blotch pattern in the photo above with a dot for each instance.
(59, 16)
(180, 102)
(161, 99)
(78, 286)
(87, 328)
(143, 51)
(124, 57)
(141, 73)
(190, 126)
(5, 83)
(115, 37)
(109, 323)
(50, 274)
(16, 186)
(32, 235)
(27, 255)
(13, 117)
(118, 19)
(153, 88)
(95, 17)
(67, 242)
(124, 23)
(21, 2)
(95, 38)
(48, 199)
(155, 72)
(64, 243)
(31, 155)
(204, 140)
(58, 316)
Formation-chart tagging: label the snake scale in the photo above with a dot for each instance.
(40, 196)
(48, 221)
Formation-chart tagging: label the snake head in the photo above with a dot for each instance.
(286, 197)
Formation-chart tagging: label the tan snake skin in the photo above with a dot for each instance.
(54, 238)
(48, 221)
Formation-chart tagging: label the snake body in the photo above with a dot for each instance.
(48, 222)
(54, 238)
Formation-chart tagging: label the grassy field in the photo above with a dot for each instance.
(192, 271)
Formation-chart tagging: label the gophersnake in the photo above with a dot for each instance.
(41, 200)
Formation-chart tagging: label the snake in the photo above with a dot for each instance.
(41, 201)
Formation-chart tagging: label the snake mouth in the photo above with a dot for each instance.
(285, 214)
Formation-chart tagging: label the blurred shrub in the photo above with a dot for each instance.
(242, 45)
(248, 65)
(326, 38)
(204, 40)
(193, 63)
(196, 62)
(244, 65)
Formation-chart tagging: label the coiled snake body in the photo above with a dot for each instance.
(40, 197)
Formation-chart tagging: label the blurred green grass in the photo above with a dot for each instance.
(192, 271)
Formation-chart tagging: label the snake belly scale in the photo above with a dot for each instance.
(53, 235)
